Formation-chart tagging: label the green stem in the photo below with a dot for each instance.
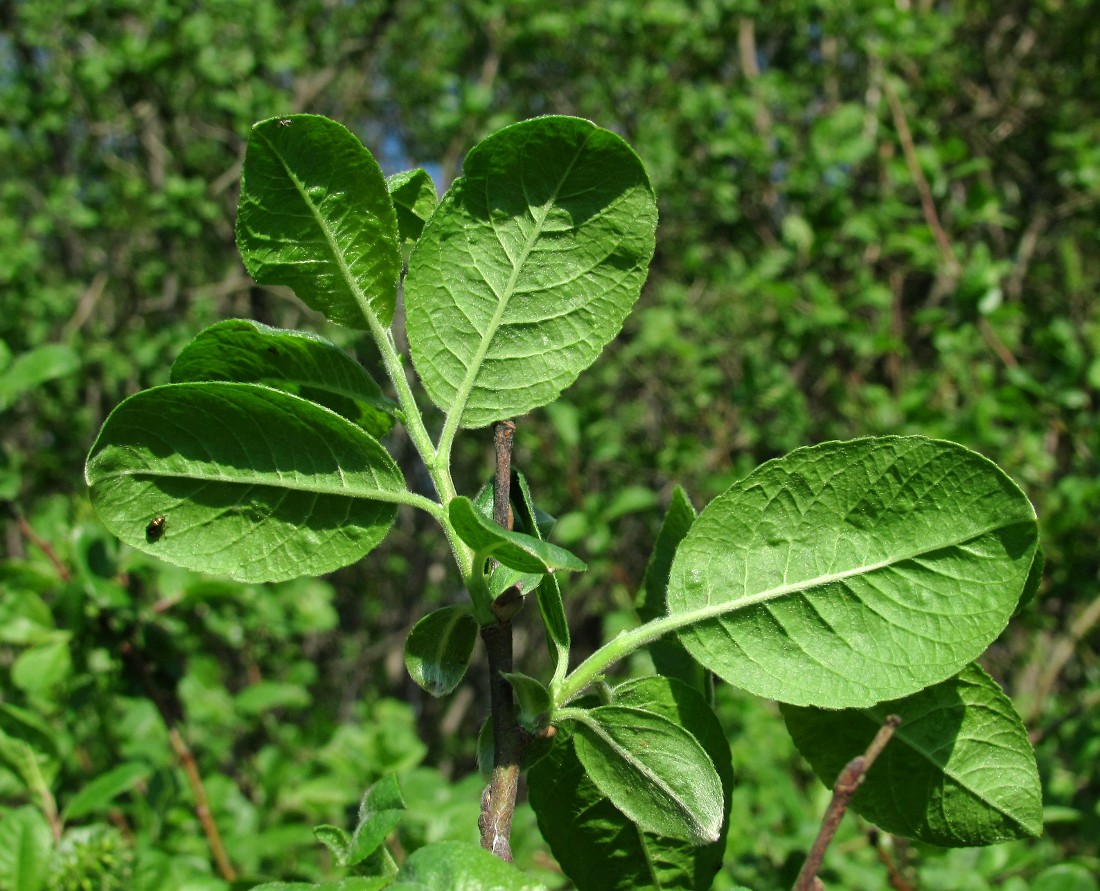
(611, 652)
(437, 464)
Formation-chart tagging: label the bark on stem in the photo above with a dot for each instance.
(846, 785)
(498, 802)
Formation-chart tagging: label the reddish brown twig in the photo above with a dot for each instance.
(845, 787)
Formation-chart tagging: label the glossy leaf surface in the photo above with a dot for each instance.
(528, 267)
(414, 199)
(514, 549)
(959, 771)
(439, 647)
(296, 361)
(852, 572)
(249, 481)
(315, 215)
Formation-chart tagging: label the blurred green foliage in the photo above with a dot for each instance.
(875, 218)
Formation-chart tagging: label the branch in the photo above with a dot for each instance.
(928, 205)
(846, 785)
(498, 802)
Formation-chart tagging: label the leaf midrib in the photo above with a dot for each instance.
(715, 610)
(462, 396)
(396, 496)
(641, 767)
(361, 298)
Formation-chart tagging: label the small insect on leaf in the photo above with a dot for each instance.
(285, 122)
(155, 529)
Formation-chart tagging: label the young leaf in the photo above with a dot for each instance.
(460, 866)
(669, 656)
(598, 847)
(959, 771)
(852, 572)
(413, 194)
(250, 482)
(652, 770)
(379, 812)
(532, 701)
(439, 647)
(528, 267)
(315, 215)
(296, 361)
(25, 845)
(523, 552)
(548, 591)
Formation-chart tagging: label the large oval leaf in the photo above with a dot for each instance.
(241, 480)
(315, 214)
(528, 267)
(849, 573)
(959, 771)
(297, 361)
(652, 770)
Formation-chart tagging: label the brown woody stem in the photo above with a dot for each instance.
(845, 787)
(498, 803)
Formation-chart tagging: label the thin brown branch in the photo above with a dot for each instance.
(44, 546)
(202, 805)
(928, 204)
(498, 802)
(170, 708)
(845, 787)
(897, 880)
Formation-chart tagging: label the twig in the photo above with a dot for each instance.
(170, 708)
(846, 785)
(928, 204)
(44, 546)
(897, 880)
(498, 802)
(202, 805)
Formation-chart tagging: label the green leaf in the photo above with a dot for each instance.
(669, 656)
(35, 367)
(315, 215)
(265, 696)
(25, 844)
(528, 267)
(652, 770)
(372, 883)
(100, 792)
(414, 198)
(379, 812)
(40, 669)
(296, 361)
(548, 592)
(852, 572)
(598, 847)
(439, 647)
(460, 866)
(251, 482)
(959, 771)
(523, 552)
(532, 701)
(335, 839)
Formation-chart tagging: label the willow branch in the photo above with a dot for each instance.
(846, 785)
